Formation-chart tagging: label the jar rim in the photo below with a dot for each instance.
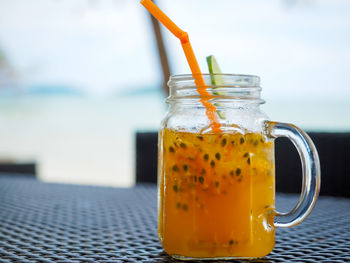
(208, 74)
(238, 87)
(242, 80)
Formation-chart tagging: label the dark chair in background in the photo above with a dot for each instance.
(334, 153)
(146, 157)
(28, 169)
(333, 150)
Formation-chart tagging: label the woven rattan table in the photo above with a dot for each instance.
(41, 222)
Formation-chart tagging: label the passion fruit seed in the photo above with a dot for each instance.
(175, 188)
(183, 146)
(241, 140)
(206, 157)
(238, 171)
(201, 179)
(175, 168)
(212, 163)
(223, 142)
(246, 155)
(185, 167)
(217, 156)
(171, 149)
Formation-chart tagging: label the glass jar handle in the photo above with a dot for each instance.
(310, 169)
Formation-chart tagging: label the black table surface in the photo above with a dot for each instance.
(42, 222)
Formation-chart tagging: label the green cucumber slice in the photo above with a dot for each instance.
(216, 80)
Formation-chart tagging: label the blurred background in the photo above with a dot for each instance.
(79, 78)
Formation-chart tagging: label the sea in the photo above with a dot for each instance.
(80, 139)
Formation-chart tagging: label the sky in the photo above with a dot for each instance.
(90, 45)
(300, 49)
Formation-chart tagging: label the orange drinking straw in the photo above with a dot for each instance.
(191, 59)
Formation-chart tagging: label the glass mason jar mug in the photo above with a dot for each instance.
(217, 189)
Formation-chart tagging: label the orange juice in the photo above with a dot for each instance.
(216, 194)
